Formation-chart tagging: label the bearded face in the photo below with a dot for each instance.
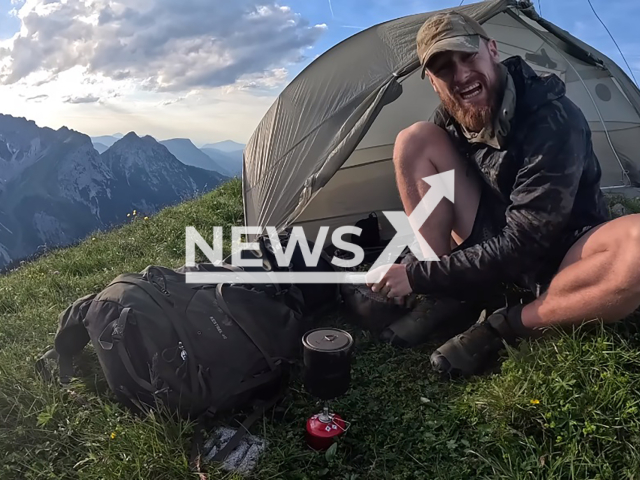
(469, 85)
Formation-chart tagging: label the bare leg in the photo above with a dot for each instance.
(599, 278)
(422, 150)
(425, 149)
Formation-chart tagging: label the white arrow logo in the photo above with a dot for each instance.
(408, 228)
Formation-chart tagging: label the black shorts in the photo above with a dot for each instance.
(490, 221)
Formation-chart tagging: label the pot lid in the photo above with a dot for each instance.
(327, 340)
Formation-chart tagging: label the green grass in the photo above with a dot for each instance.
(563, 407)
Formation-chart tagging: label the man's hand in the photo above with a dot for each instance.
(395, 283)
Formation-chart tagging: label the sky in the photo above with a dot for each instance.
(208, 69)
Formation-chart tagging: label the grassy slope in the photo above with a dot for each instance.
(584, 422)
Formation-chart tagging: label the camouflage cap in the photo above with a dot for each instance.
(451, 31)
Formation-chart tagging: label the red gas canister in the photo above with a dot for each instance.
(323, 429)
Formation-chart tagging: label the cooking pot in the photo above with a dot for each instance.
(327, 362)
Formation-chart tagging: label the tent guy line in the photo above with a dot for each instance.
(614, 41)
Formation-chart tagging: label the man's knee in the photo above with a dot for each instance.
(415, 143)
(627, 236)
(628, 252)
(632, 235)
(634, 230)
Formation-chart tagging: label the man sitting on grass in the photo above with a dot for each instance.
(528, 208)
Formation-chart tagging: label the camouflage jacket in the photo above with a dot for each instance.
(547, 175)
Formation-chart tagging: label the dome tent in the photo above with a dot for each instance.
(322, 153)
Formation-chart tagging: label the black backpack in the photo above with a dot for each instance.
(197, 349)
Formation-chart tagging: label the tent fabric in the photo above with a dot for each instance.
(322, 153)
(627, 86)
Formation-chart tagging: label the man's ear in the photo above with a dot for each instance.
(492, 46)
(430, 76)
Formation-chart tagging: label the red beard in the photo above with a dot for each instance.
(475, 117)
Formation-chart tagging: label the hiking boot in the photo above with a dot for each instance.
(469, 352)
(429, 319)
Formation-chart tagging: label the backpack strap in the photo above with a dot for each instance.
(247, 327)
(65, 366)
(71, 337)
(112, 335)
(256, 382)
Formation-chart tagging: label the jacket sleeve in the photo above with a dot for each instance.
(541, 203)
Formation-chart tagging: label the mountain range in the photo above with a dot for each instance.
(227, 146)
(223, 157)
(56, 187)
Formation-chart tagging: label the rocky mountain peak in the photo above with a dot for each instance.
(55, 187)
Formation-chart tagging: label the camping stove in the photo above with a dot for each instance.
(327, 375)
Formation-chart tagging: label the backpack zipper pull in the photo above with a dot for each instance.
(183, 352)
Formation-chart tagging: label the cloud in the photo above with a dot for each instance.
(50, 78)
(85, 99)
(172, 101)
(37, 97)
(182, 98)
(264, 81)
(166, 45)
